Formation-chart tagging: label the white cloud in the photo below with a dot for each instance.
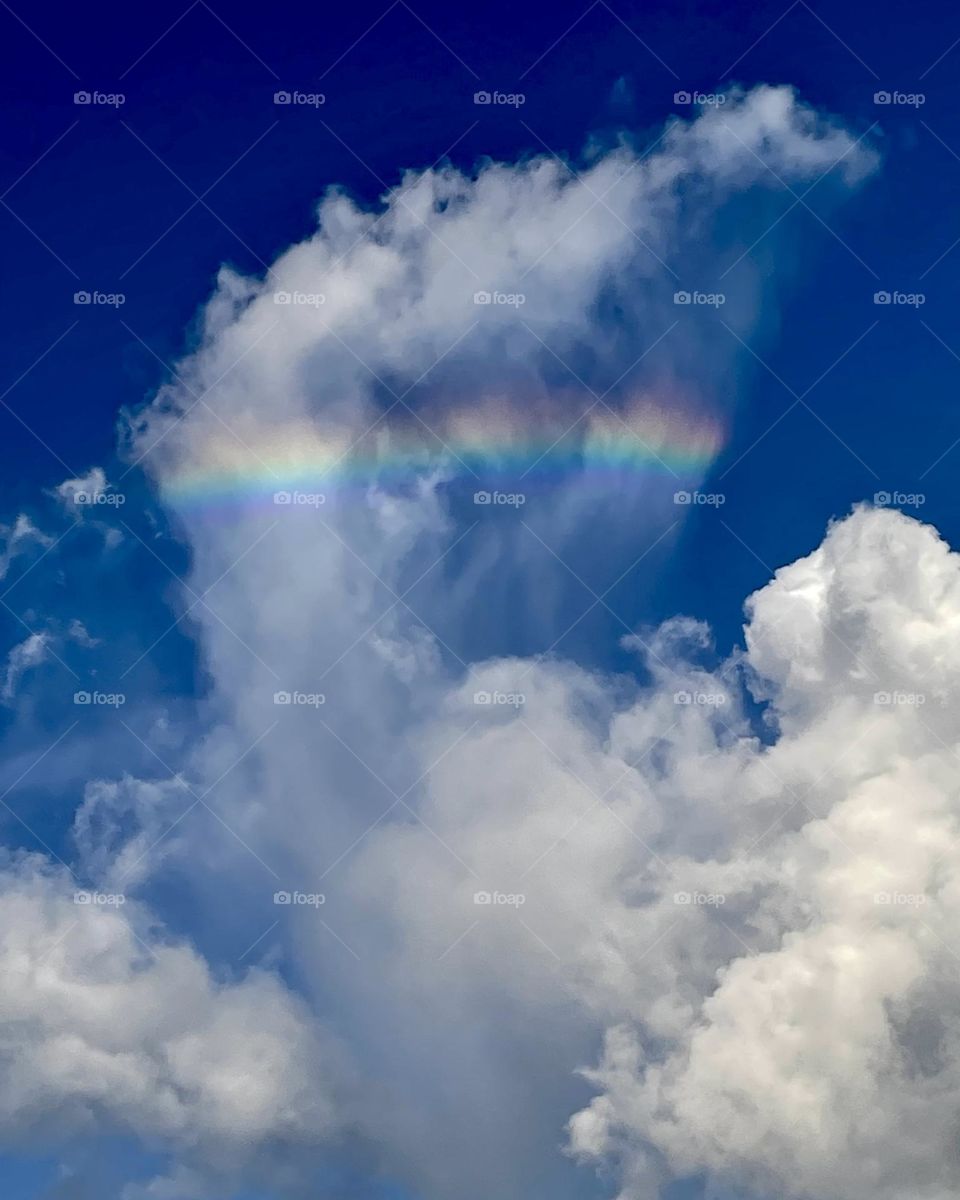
(825, 1061)
(24, 655)
(595, 799)
(105, 1026)
(590, 254)
(87, 487)
(16, 538)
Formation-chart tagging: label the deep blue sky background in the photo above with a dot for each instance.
(87, 200)
(202, 96)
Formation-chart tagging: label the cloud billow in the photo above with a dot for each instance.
(542, 896)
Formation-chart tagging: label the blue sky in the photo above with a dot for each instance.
(200, 88)
(804, 393)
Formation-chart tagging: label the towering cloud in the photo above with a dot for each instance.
(521, 893)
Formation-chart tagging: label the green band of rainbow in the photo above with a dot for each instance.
(236, 471)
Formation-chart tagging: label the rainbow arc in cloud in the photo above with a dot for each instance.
(497, 445)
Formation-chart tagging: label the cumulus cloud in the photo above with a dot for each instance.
(103, 1026)
(822, 1057)
(515, 858)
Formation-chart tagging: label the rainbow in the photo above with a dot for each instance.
(492, 447)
